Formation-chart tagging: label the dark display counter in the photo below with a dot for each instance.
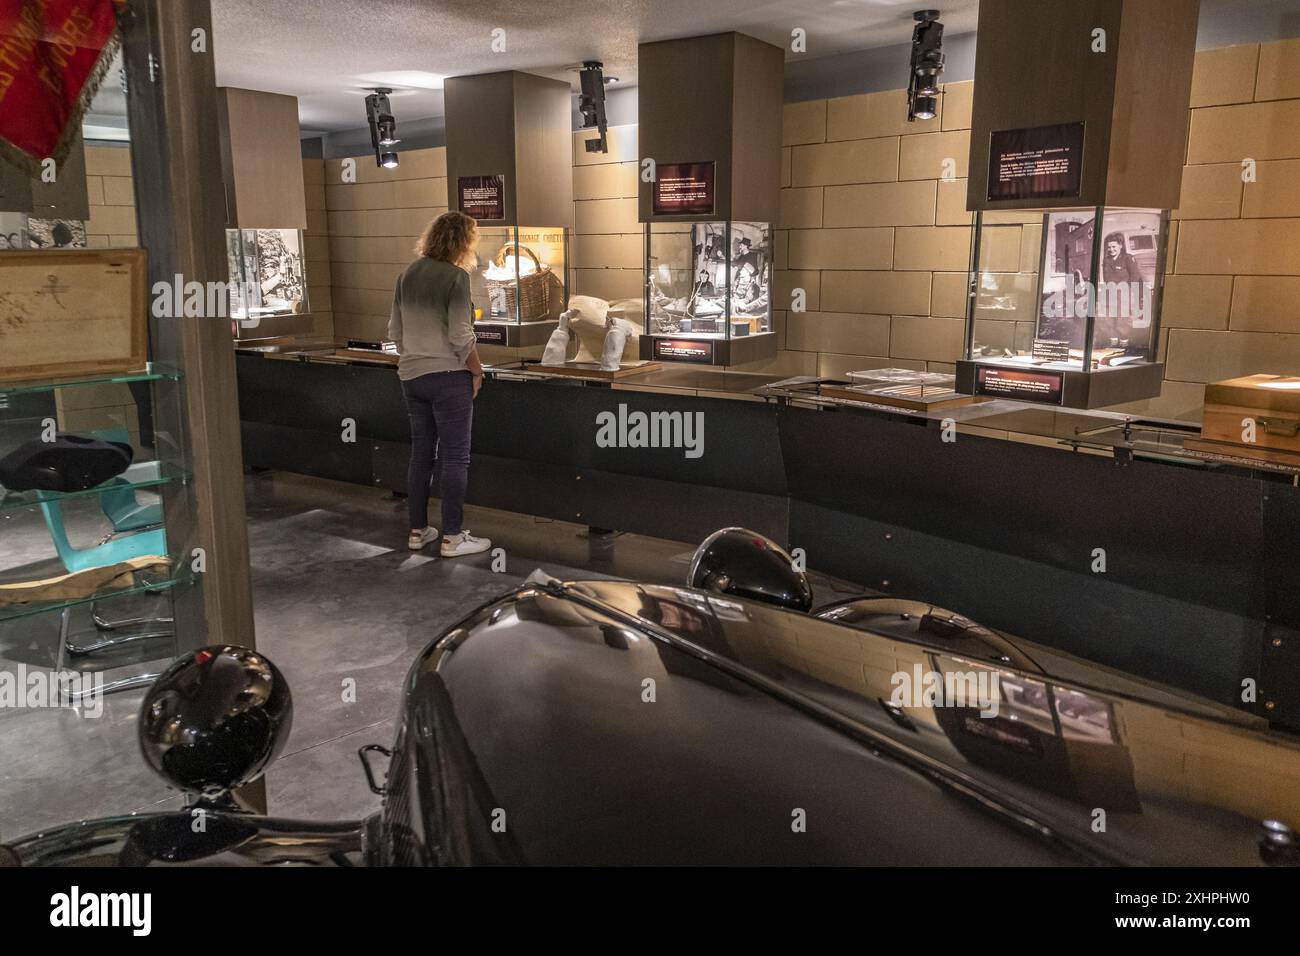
(1201, 580)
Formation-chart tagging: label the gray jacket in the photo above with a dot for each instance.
(433, 319)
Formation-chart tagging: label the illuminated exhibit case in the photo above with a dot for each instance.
(708, 285)
(713, 195)
(1064, 306)
(510, 166)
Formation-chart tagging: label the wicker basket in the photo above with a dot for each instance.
(530, 296)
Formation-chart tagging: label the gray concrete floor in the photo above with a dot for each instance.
(337, 597)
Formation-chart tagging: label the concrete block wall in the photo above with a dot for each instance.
(111, 191)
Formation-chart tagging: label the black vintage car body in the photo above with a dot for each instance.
(608, 722)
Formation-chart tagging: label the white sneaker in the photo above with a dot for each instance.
(464, 543)
(418, 539)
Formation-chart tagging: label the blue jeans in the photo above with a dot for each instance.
(441, 406)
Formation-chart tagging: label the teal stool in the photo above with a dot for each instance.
(137, 532)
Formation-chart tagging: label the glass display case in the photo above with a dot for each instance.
(268, 277)
(520, 284)
(1064, 306)
(708, 292)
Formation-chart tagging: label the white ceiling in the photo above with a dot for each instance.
(326, 52)
(329, 52)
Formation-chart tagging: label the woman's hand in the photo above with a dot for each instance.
(477, 378)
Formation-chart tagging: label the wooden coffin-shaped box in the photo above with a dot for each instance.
(1255, 417)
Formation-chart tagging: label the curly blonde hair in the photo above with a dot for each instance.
(450, 238)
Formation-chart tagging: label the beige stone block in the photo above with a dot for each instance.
(607, 216)
(606, 181)
(931, 248)
(855, 161)
(874, 114)
(420, 193)
(118, 190)
(611, 284)
(951, 208)
(957, 101)
(128, 240)
(801, 208)
(787, 284)
(1224, 75)
(314, 195)
(787, 166)
(941, 368)
(781, 248)
(844, 333)
(1275, 192)
(95, 190)
(348, 325)
(1031, 247)
(999, 248)
(1199, 356)
(108, 161)
(949, 294)
(1196, 302)
(1264, 304)
(927, 338)
(1210, 192)
(1279, 71)
(350, 197)
(876, 293)
(803, 123)
(400, 222)
(313, 172)
(842, 249)
(316, 247)
(111, 220)
(320, 221)
(1179, 401)
(608, 252)
(1011, 217)
(784, 363)
(320, 298)
(363, 301)
(96, 242)
(934, 155)
(622, 143)
(1239, 247)
(880, 204)
(1229, 134)
(374, 276)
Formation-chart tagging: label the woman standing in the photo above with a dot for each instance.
(433, 327)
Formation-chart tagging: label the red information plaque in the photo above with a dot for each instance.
(683, 189)
(684, 350)
(1023, 386)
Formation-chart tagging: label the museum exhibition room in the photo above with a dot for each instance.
(651, 433)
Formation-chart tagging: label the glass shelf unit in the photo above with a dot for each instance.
(148, 477)
(181, 576)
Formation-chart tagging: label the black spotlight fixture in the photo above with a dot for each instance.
(383, 128)
(927, 65)
(591, 103)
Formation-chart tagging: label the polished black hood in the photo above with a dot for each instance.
(610, 722)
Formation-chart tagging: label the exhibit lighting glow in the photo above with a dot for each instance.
(926, 66)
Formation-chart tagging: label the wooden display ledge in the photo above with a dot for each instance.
(941, 397)
(592, 370)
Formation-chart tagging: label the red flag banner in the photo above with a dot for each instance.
(53, 54)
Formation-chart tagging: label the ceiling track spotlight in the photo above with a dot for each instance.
(383, 128)
(591, 103)
(927, 66)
